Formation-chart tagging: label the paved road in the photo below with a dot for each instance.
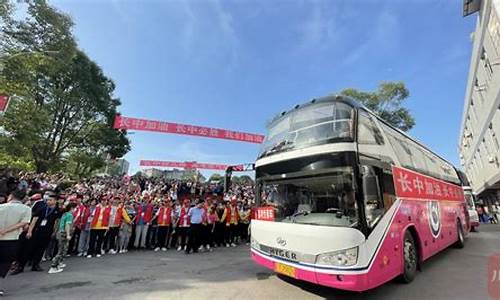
(230, 274)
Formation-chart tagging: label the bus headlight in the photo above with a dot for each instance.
(254, 244)
(341, 258)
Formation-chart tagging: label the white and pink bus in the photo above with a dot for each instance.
(348, 201)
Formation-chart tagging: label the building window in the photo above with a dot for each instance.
(486, 64)
(479, 158)
(479, 88)
(494, 137)
(494, 29)
(485, 147)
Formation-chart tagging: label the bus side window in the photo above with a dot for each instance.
(368, 133)
(374, 205)
(388, 192)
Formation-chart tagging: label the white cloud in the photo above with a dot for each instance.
(319, 28)
(382, 38)
(208, 33)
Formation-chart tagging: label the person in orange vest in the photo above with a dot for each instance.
(164, 219)
(245, 214)
(117, 215)
(230, 218)
(211, 221)
(98, 227)
(183, 225)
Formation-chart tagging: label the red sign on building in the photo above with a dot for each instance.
(4, 102)
(176, 128)
(410, 184)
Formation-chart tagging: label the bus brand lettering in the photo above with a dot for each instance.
(282, 253)
(410, 184)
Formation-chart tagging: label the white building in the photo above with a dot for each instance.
(479, 145)
(174, 174)
(123, 165)
(152, 172)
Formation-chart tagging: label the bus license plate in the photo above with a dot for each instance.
(284, 269)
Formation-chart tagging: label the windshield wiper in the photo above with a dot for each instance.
(280, 146)
(300, 213)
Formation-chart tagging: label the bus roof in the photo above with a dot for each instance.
(355, 104)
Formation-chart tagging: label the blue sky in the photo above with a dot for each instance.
(235, 64)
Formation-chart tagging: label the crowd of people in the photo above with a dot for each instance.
(44, 218)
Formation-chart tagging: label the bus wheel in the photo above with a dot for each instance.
(410, 258)
(460, 233)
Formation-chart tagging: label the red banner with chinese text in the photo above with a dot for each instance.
(185, 165)
(4, 102)
(410, 184)
(264, 213)
(176, 128)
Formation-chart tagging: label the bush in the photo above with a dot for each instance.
(15, 163)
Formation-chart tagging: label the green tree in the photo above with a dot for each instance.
(387, 102)
(216, 177)
(64, 106)
(245, 179)
(15, 162)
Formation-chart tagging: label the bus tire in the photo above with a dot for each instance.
(410, 258)
(460, 236)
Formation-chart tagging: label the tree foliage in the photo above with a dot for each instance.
(243, 179)
(387, 102)
(15, 162)
(63, 106)
(215, 177)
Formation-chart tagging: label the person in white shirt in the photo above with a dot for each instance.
(14, 215)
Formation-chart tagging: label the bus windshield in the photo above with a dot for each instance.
(312, 124)
(328, 200)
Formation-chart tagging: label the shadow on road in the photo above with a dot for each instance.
(391, 290)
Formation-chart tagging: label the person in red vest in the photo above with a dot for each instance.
(164, 219)
(73, 243)
(98, 227)
(81, 217)
(117, 216)
(183, 225)
(143, 217)
(84, 224)
(231, 218)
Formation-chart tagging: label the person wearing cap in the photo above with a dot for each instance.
(143, 216)
(98, 227)
(183, 225)
(13, 217)
(45, 215)
(118, 215)
(196, 216)
(163, 217)
(231, 218)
